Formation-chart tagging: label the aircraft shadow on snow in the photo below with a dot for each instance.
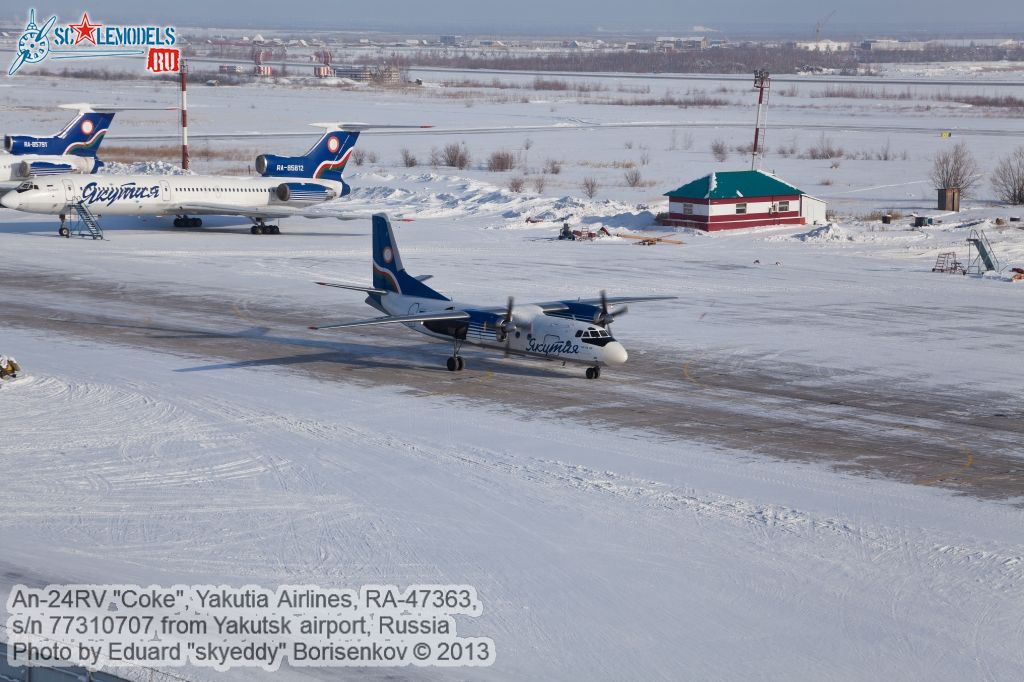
(415, 356)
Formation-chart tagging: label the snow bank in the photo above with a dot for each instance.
(433, 195)
(142, 168)
(825, 233)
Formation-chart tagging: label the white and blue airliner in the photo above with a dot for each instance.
(574, 330)
(287, 186)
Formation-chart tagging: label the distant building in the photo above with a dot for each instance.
(670, 44)
(385, 74)
(823, 46)
(897, 45)
(736, 199)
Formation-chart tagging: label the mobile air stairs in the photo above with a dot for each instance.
(980, 256)
(947, 262)
(85, 225)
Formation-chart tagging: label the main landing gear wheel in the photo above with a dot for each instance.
(188, 222)
(593, 372)
(264, 229)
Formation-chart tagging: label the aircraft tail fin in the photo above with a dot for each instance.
(388, 272)
(80, 137)
(325, 160)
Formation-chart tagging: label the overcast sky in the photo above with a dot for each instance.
(792, 17)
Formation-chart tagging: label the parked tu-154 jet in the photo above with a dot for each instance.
(575, 331)
(72, 150)
(287, 186)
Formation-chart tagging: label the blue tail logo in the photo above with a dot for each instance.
(326, 160)
(388, 273)
(81, 137)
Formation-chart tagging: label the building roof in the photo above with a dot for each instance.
(734, 184)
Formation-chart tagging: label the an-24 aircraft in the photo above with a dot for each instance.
(570, 331)
(288, 186)
(72, 150)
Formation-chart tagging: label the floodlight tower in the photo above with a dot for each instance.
(763, 84)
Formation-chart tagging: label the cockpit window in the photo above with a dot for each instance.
(26, 186)
(595, 336)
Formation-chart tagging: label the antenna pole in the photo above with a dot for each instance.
(762, 83)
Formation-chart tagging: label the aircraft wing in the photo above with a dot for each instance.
(392, 319)
(268, 212)
(556, 306)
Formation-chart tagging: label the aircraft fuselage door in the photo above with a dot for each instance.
(165, 190)
(551, 342)
(69, 190)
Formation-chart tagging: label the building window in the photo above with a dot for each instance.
(741, 209)
(783, 206)
(687, 209)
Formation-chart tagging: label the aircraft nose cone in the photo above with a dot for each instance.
(614, 354)
(11, 200)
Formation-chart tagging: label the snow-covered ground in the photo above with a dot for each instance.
(602, 549)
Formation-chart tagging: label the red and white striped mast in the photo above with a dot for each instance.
(183, 72)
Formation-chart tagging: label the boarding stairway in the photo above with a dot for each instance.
(947, 262)
(980, 256)
(86, 225)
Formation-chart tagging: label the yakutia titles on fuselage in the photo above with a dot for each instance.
(169, 194)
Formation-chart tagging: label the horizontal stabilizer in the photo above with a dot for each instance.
(362, 127)
(86, 108)
(401, 319)
(367, 290)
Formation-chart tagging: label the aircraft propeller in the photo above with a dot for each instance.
(507, 325)
(605, 316)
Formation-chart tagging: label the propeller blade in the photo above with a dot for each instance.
(507, 327)
(621, 310)
(18, 61)
(46, 27)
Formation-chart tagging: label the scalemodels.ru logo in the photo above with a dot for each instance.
(89, 39)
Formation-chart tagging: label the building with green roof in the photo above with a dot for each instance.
(737, 199)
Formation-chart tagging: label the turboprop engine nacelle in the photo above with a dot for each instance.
(305, 191)
(59, 164)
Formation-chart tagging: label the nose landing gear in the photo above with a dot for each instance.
(455, 362)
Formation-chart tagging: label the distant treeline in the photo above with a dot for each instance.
(715, 60)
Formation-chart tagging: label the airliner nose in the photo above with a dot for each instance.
(614, 354)
(11, 200)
